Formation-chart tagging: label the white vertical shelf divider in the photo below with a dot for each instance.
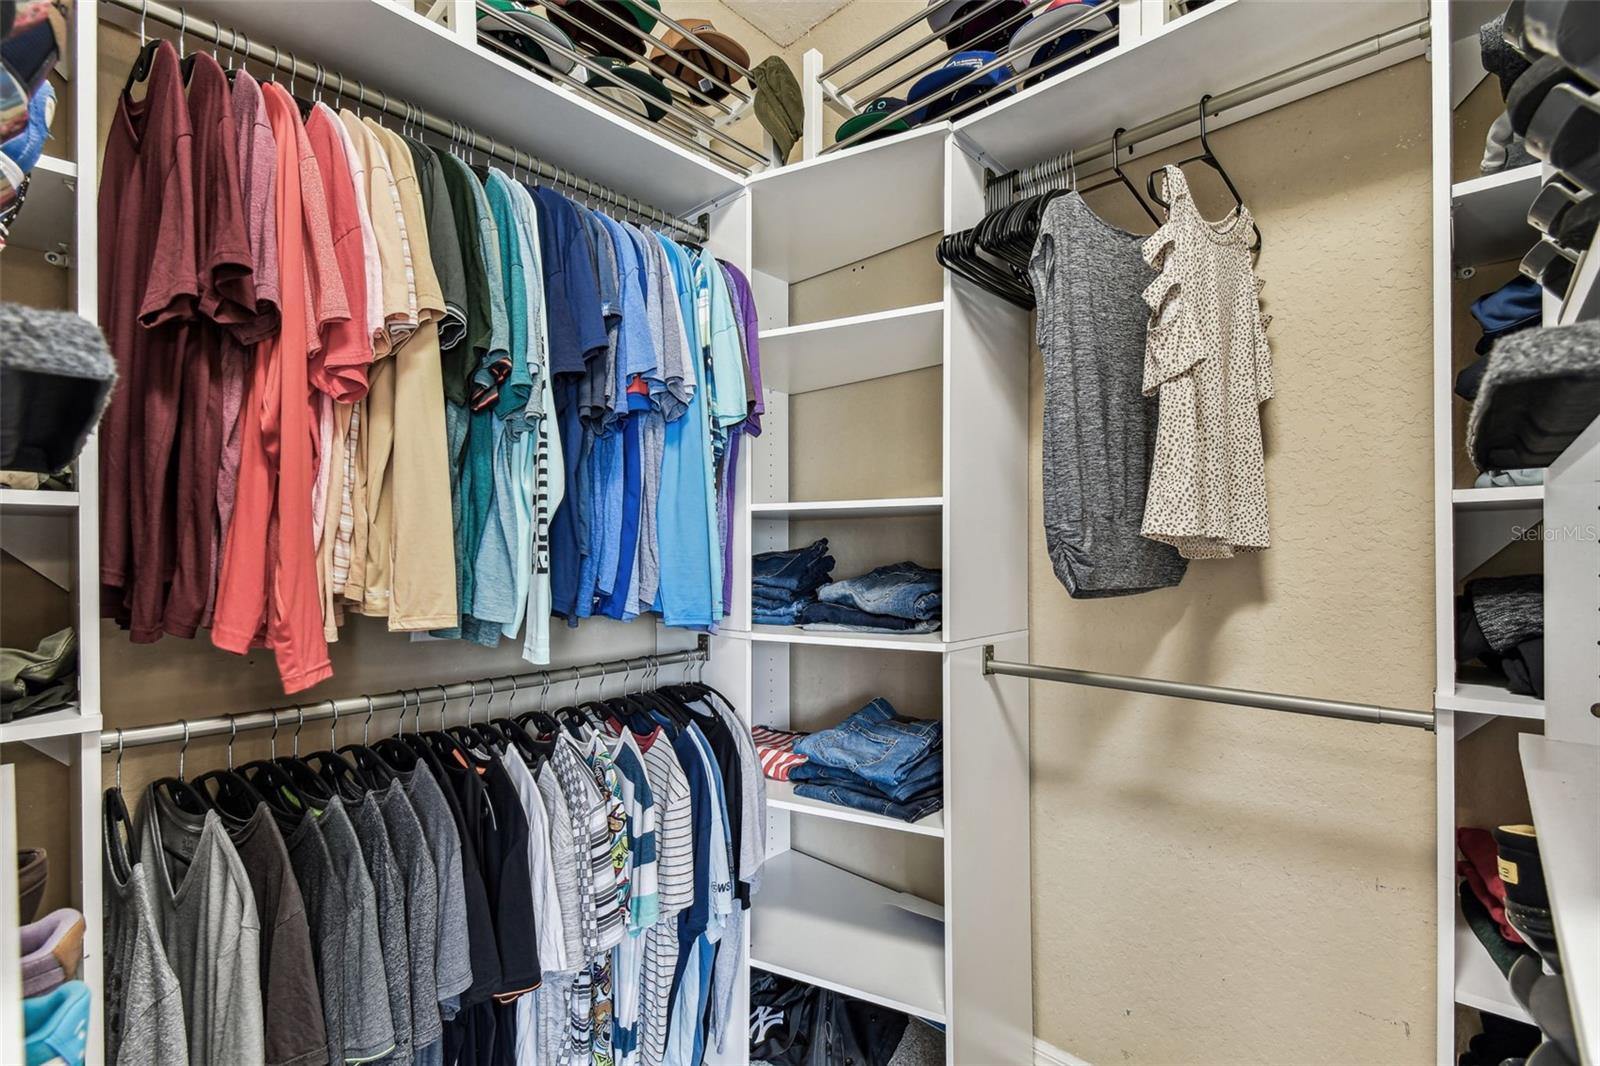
(11, 1034)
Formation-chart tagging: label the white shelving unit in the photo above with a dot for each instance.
(1477, 221)
(821, 355)
(781, 796)
(904, 507)
(59, 218)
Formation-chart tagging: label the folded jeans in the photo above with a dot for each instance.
(888, 751)
(838, 614)
(914, 809)
(784, 569)
(901, 590)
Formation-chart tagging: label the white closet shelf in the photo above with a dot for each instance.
(37, 501)
(1563, 779)
(825, 926)
(1489, 215)
(933, 642)
(1479, 982)
(812, 217)
(1489, 699)
(780, 796)
(895, 507)
(1583, 296)
(1220, 47)
(1510, 498)
(840, 351)
(45, 222)
(392, 47)
(66, 722)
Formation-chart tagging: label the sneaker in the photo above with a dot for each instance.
(57, 1025)
(52, 948)
(33, 870)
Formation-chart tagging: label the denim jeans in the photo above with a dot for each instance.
(790, 569)
(904, 590)
(898, 756)
(766, 613)
(808, 580)
(862, 799)
(841, 616)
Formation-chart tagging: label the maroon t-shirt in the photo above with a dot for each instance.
(149, 291)
(227, 300)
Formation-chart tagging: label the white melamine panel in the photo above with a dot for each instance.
(903, 507)
(985, 440)
(1489, 699)
(1583, 296)
(780, 795)
(1514, 497)
(1225, 45)
(820, 355)
(1572, 590)
(824, 213)
(11, 1035)
(987, 847)
(1563, 780)
(828, 927)
(1479, 983)
(45, 223)
(37, 502)
(729, 240)
(1490, 216)
(391, 47)
(843, 639)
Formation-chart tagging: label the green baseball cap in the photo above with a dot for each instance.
(535, 32)
(873, 115)
(637, 90)
(598, 33)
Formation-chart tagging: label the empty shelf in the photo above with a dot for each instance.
(780, 795)
(827, 927)
(45, 222)
(1563, 779)
(37, 501)
(812, 217)
(820, 355)
(1479, 982)
(886, 508)
(1511, 498)
(66, 722)
(1489, 216)
(1489, 699)
(843, 639)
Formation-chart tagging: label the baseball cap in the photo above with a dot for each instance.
(637, 90)
(704, 32)
(873, 115)
(984, 32)
(940, 104)
(1041, 38)
(601, 35)
(535, 31)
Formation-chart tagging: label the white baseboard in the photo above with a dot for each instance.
(1049, 1055)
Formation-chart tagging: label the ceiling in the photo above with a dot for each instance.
(785, 21)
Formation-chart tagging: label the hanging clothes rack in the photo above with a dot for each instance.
(360, 706)
(1002, 189)
(1238, 697)
(355, 90)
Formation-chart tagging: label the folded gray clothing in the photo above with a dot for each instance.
(1509, 610)
(1498, 57)
(56, 376)
(1541, 389)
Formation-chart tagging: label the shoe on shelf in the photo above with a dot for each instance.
(33, 871)
(52, 948)
(57, 1024)
(1527, 898)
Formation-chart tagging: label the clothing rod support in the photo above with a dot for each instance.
(357, 706)
(1239, 697)
(1250, 92)
(276, 58)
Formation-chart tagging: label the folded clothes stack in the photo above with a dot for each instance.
(784, 584)
(1500, 623)
(898, 598)
(877, 761)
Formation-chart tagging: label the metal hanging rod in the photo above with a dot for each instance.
(353, 89)
(350, 706)
(879, 41)
(942, 54)
(689, 118)
(1239, 697)
(1050, 169)
(633, 30)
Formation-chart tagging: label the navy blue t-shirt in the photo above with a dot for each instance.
(574, 318)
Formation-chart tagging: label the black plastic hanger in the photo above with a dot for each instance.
(177, 789)
(1122, 178)
(1209, 158)
(346, 778)
(372, 766)
(227, 791)
(117, 824)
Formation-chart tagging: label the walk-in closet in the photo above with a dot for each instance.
(799, 532)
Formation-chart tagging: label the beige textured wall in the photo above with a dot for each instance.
(1215, 884)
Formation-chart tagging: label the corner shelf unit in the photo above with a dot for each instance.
(1479, 221)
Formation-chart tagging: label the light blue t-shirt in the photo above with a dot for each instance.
(686, 508)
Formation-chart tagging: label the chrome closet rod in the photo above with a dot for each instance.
(1000, 60)
(733, 64)
(877, 42)
(633, 28)
(588, 63)
(1287, 78)
(1239, 697)
(358, 706)
(354, 89)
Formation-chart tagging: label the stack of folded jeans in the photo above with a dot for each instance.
(785, 583)
(898, 598)
(877, 761)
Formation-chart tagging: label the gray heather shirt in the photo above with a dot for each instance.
(1099, 428)
(564, 860)
(326, 912)
(144, 1005)
(389, 895)
(452, 970)
(207, 918)
(369, 1027)
(415, 865)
